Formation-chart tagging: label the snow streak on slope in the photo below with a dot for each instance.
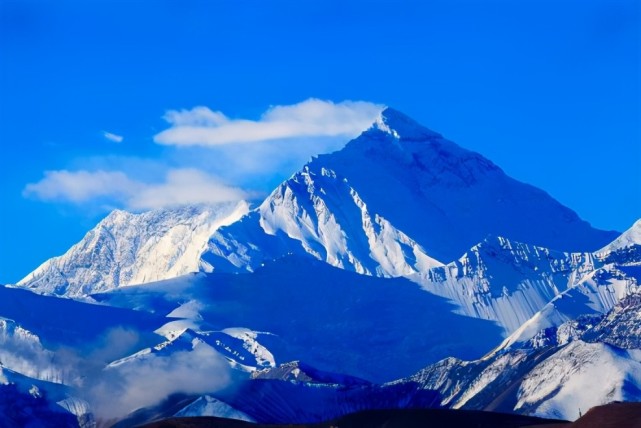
(596, 294)
(126, 249)
(593, 290)
(506, 281)
(529, 288)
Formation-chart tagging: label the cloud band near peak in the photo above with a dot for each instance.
(310, 118)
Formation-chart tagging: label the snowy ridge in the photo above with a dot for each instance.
(621, 327)
(507, 281)
(629, 238)
(554, 381)
(126, 249)
(238, 346)
(596, 293)
(580, 376)
(320, 214)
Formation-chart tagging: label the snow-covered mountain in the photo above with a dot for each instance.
(574, 354)
(126, 249)
(511, 282)
(398, 200)
(395, 201)
(401, 253)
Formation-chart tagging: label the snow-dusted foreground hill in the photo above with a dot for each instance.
(569, 357)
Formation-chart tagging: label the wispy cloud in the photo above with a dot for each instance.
(82, 186)
(148, 380)
(113, 137)
(208, 157)
(310, 118)
(185, 186)
(180, 186)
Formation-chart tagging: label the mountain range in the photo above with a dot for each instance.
(402, 271)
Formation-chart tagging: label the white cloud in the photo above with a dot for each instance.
(180, 186)
(113, 137)
(148, 380)
(206, 152)
(82, 186)
(185, 186)
(310, 118)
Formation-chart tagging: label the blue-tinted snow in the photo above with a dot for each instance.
(337, 321)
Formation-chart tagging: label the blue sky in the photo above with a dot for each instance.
(94, 96)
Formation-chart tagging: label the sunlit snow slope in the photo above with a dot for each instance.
(126, 249)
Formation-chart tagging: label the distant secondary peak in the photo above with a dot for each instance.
(400, 126)
(629, 238)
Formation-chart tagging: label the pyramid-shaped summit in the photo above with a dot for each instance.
(398, 199)
(397, 142)
(402, 126)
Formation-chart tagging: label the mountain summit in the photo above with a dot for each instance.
(395, 200)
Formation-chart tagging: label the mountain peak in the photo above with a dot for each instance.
(401, 126)
(126, 248)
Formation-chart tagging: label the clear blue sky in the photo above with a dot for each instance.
(549, 90)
